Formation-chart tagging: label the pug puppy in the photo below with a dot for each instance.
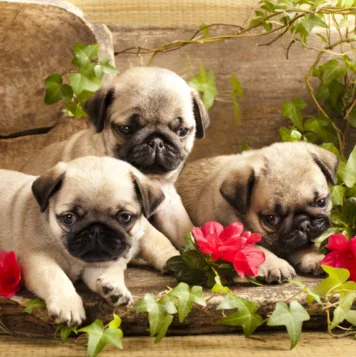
(280, 191)
(82, 219)
(150, 118)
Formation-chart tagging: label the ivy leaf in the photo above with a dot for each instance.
(76, 110)
(66, 331)
(351, 317)
(292, 110)
(219, 288)
(99, 337)
(337, 276)
(352, 117)
(329, 71)
(338, 219)
(245, 316)
(116, 322)
(84, 54)
(205, 84)
(289, 135)
(204, 29)
(311, 21)
(292, 317)
(157, 312)
(349, 211)
(164, 328)
(56, 90)
(245, 146)
(32, 304)
(108, 68)
(348, 172)
(306, 289)
(337, 195)
(236, 86)
(345, 304)
(186, 298)
(81, 83)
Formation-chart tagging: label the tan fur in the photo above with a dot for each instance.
(286, 171)
(159, 96)
(97, 186)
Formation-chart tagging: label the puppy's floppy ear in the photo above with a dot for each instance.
(149, 195)
(97, 105)
(48, 184)
(237, 188)
(327, 161)
(200, 114)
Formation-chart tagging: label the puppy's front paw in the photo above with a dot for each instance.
(113, 292)
(277, 270)
(66, 309)
(309, 263)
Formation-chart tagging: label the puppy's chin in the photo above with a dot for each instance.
(288, 242)
(97, 242)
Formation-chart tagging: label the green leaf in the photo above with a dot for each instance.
(84, 54)
(82, 83)
(219, 288)
(229, 302)
(344, 22)
(348, 172)
(323, 38)
(346, 3)
(345, 303)
(236, 86)
(205, 84)
(338, 219)
(245, 316)
(194, 259)
(306, 289)
(76, 110)
(204, 29)
(245, 146)
(186, 298)
(326, 235)
(112, 336)
(349, 211)
(337, 195)
(95, 333)
(311, 21)
(53, 86)
(116, 322)
(352, 117)
(329, 71)
(292, 110)
(164, 328)
(237, 111)
(289, 135)
(292, 317)
(34, 304)
(108, 68)
(337, 276)
(351, 317)
(66, 331)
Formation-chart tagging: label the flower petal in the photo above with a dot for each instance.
(338, 242)
(198, 234)
(212, 228)
(232, 230)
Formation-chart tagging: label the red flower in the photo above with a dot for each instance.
(10, 274)
(342, 255)
(232, 245)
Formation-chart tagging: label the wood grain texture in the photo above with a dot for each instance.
(36, 41)
(141, 281)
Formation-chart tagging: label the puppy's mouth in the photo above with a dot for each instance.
(97, 243)
(156, 155)
(301, 235)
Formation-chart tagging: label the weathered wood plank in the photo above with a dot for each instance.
(141, 281)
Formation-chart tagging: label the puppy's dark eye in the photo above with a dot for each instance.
(124, 218)
(183, 132)
(321, 202)
(68, 219)
(123, 130)
(271, 219)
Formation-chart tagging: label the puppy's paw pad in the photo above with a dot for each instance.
(310, 264)
(67, 310)
(115, 295)
(278, 271)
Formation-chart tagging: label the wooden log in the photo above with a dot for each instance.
(141, 281)
(37, 38)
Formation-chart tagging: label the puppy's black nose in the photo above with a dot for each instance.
(156, 143)
(304, 226)
(96, 230)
